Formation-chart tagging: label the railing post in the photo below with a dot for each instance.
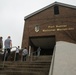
(4, 58)
(15, 54)
(29, 50)
(21, 57)
(31, 57)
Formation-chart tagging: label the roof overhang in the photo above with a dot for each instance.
(45, 42)
(55, 3)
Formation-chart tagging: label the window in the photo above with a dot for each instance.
(56, 9)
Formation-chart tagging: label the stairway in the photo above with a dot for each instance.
(38, 65)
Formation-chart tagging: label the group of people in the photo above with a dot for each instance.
(24, 54)
(8, 47)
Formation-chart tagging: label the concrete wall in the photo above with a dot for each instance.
(65, 59)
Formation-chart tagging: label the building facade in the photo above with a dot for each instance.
(43, 28)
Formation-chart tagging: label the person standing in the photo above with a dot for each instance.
(8, 46)
(24, 54)
(38, 51)
(17, 54)
(1, 43)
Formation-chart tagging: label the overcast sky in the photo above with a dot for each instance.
(12, 13)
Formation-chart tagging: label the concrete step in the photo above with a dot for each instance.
(27, 65)
(41, 66)
(32, 63)
(26, 69)
(24, 63)
(40, 58)
(22, 73)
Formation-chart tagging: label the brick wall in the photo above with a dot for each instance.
(63, 25)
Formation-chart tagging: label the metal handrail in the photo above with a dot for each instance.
(6, 53)
(33, 54)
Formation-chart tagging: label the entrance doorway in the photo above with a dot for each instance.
(46, 43)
